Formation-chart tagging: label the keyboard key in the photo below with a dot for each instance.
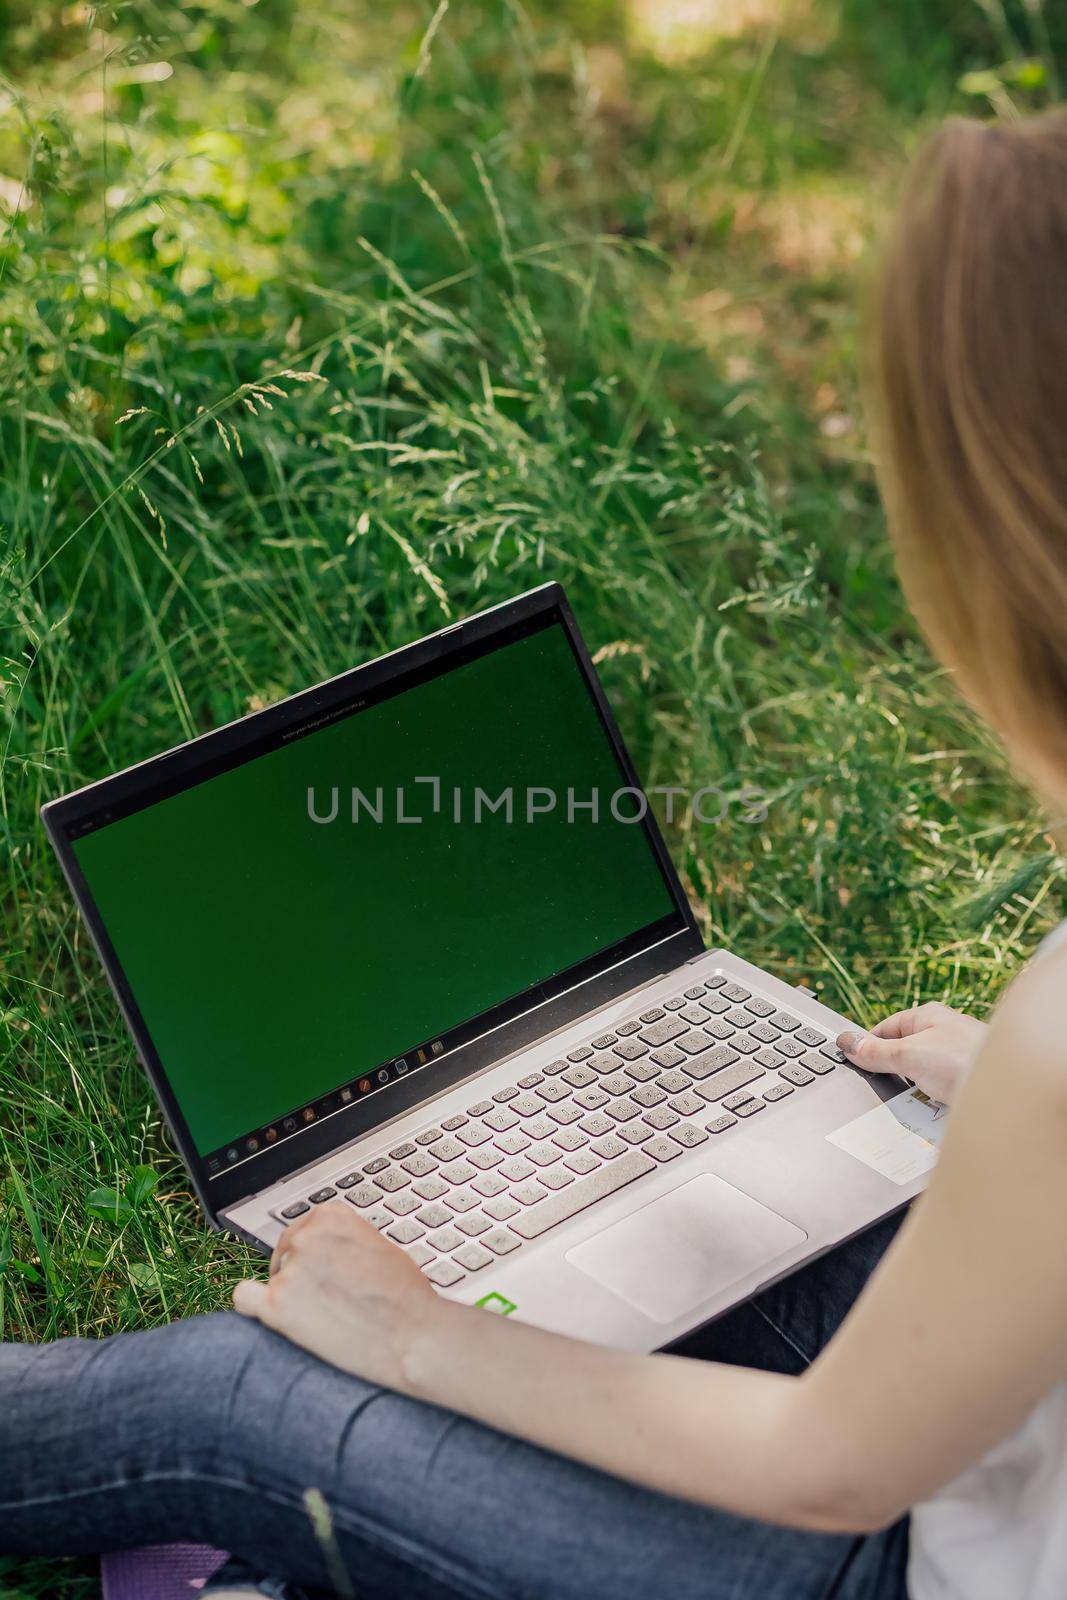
(489, 1184)
(622, 1110)
(569, 1139)
(750, 1108)
(764, 1032)
(673, 1082)
(687, 1104)
(777, 1091)
(695, 993)
(734, 991)
(349, 1181)
(630, 1049)
(606, 1061)
(430, 1188)
(419, 1166)
(716, 981)
(392, 1179)
(782, 1020)
(444, 1274)
(694, 1014)
(297, 1209)
(581, 1162)
(500, 1121)
(694, 1042)
(555, 1089)
(321, 1195)
(625, 1029)
(503, 1095)
(609, 1147)
(542, 1155)
(517, 1169)
(421, 1254)
(712, 1061)
(798, 1075)
(434, 1216)
(725, 1083)
(712, 1003)
(474, 1224)
(789, 1047)
(554, 1068)
(428, 1136)
(362, 1197)
(718, 1028)
(596, 1124)
(480, 1108)
(401, 1204)
(512, 1143)
(652, 1015)
(761, 1008)
(591, 1099)
(446, 1150)
(734, 1102)
(641, 1071)
(556, 1178)
(816, 1063)
(617, 1083)
(633, 1132)
(473, 1257)
(485, 1158)
(738, 1018)
(458, 1172)
(809, 1036)
(379, 1218)
(582, 1053)
(648, 1095)
(561, 1207)
(563, 1115)
(446, 1238)
(402, 1150)
(662, 1033)
(688, 1134)
(669, 1056)
(461, 1200)
(746, 1045)
(539, 1128)
(531, 1080)
(528, 1194)
(832, 1053)
(450, 1124)
(662, 1117)
(769, 1059)
(474, 1134)
(720, 1124)
(379, 1164)
(604, 1041)
(674, 1004)
(579, 1077)
(500, 1210)
(501, 1241)
(660, 1148)
(404, 1232)
(528, 1105)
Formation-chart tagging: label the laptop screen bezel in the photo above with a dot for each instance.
(508, 1027)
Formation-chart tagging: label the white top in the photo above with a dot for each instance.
(999, 1532)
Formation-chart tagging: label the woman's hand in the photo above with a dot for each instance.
(933, 1045)
(341, 1290)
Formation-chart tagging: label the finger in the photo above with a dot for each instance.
(903, 1024)
(252, 1299)
(871, 1053)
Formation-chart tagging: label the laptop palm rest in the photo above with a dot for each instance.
(677, 1252)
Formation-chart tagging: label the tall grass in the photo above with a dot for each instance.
(338, 332)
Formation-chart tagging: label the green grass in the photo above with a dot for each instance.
(320, 326)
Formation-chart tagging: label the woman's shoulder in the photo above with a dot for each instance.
(1028, 1029)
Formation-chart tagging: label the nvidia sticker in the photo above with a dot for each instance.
(496, 1302)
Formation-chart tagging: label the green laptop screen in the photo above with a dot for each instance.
(286, 939)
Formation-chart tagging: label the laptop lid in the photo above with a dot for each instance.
(327, 911)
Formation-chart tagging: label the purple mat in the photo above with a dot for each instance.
(161, 1572)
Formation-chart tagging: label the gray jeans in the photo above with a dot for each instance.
(216, 1431)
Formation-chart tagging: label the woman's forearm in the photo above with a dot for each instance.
(722, 1436)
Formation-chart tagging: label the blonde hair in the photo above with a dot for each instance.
(970, 403)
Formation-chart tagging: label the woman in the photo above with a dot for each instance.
(905, 1435)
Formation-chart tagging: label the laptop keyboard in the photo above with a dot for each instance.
(475, 1187)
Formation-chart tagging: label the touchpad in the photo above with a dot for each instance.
(685, 1247)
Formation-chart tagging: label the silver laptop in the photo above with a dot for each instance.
(411, 942)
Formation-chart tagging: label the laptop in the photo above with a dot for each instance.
(411, 942)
